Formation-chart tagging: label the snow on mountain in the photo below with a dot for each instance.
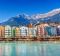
(24, 19)
(51, 13)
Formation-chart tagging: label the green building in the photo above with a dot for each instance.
(13, 31)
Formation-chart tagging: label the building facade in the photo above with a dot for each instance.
(58, 30)
(48, 31)
(32, 32)
(17, 32)
(23, 31)
(7, 31)
(13, 31)
(53, 31)
(1, 31)
(41, 30)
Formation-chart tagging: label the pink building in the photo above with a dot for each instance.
(42, 30)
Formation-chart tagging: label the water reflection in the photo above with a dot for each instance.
(29, 49)
(1, 50)
(8, 49)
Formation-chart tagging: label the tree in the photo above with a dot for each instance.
(8, 38)
(0, 38)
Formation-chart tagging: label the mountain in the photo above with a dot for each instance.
(23, 19)
(16, 21)
(51, 13)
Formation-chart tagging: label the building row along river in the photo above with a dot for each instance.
(40, 30)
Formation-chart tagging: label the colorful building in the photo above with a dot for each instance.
(17, 32)
(1, 31)
(13, 31)
(7, 31)
(32, 32)
(53, 31)
(41, 30)
(48, 31)
(23, 31)
(29, 25)
(58, 30)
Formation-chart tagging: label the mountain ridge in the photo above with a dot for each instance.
(24, 19)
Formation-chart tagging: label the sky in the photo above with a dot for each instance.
(11, 8)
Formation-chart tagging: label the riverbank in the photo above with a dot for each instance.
(32, 39)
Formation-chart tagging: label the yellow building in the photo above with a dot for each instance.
(17, 32)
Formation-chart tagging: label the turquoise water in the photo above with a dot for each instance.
(29, 49)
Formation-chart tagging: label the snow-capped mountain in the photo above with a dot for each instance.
(51, 13)
(23, 19)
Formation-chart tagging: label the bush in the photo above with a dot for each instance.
(8, 38)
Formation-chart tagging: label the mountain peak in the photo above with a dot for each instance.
(24, 16)
(24, 19)
(37, 16)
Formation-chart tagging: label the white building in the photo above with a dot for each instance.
(7, 31)
(32, 32)
(23, 31)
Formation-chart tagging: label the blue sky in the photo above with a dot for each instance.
(10, 8)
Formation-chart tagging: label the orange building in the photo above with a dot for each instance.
(29, 25)
(1, 31)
